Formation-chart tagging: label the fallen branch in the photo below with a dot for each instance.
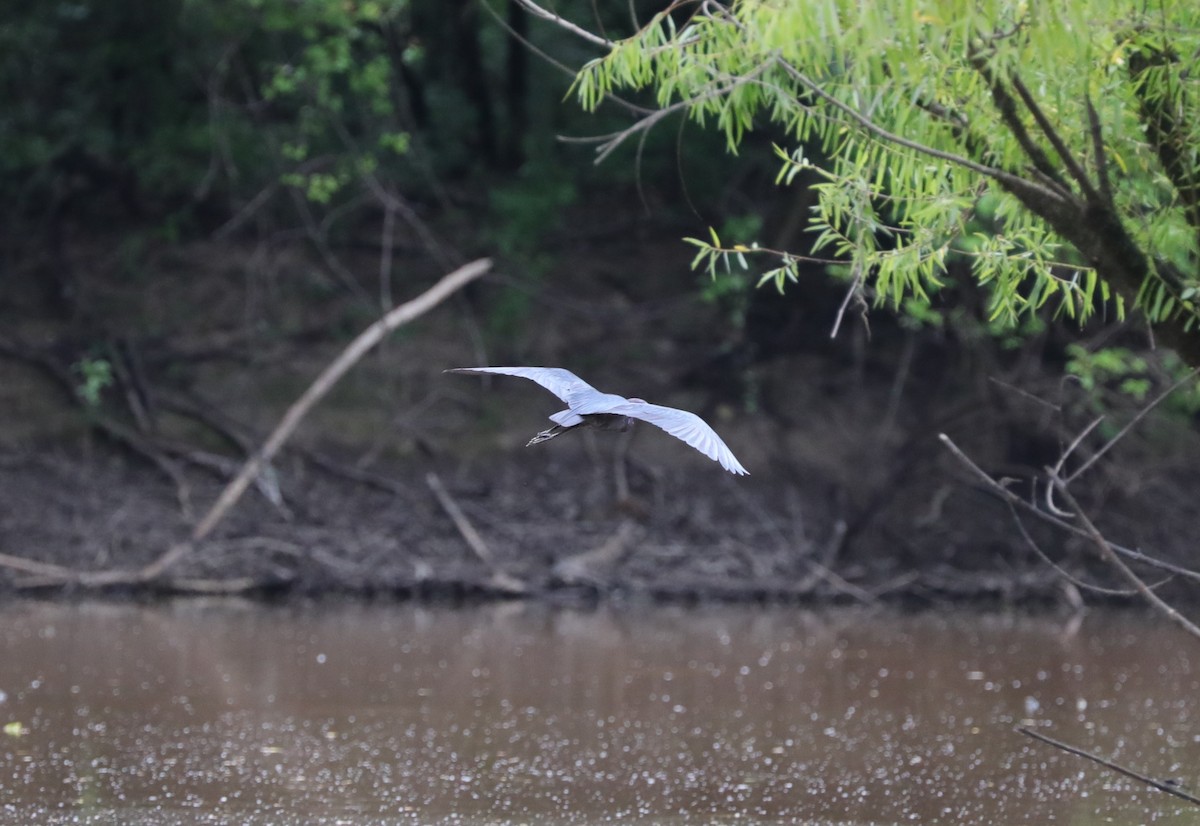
(1161, 785)
(472, 537)
(329, 377)
(257, 463)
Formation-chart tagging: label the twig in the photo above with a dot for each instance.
(1141, 414)
(1057, 408)
(465, 528)
(1111, 557)
(320, 242)
(1063, 572)
(855, 289)
(839, 584)
(32, 566)
(471, 536)
(1162, 786)
(607, 144)
(538, 11)
(1008, 496)
(1050, 506)
(1075, 444)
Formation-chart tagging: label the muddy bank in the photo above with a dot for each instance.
(542, 523)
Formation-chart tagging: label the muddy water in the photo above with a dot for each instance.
(230, 712)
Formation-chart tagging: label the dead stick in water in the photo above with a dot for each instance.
(1162, 786)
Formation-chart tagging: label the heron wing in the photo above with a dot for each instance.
(562, 383)
(687, 427)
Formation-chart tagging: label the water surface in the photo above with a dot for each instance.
(198, 712)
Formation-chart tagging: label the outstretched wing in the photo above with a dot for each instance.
(685, 426)
(562, 383)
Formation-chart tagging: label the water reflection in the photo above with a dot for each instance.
(229, 712)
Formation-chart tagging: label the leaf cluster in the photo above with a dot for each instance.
(1053, 146)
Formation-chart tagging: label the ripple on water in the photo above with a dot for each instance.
(348, 714)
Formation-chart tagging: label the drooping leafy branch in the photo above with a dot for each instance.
(1074, 126)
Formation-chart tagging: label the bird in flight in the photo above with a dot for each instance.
(588, 407)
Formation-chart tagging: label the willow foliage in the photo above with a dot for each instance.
(1057, 144)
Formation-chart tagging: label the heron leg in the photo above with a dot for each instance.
(546, 435)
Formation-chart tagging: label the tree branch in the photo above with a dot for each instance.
(561, 22)
(1015, 183)
(1101, 156)
(1060, 146)
(1109, 555)
(1166, 131)
(256, 464)
(1007, 107)
(329, 377)
(1008, 496)
(1162, 786)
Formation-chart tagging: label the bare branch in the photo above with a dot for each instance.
(1063, 572)
(1008, 496)
(538, 11)
(1075, 444)
(1162, 786)
(854, 291)
(329, 377)
(1109, 555)
(1141, 414)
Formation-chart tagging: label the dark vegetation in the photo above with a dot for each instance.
(204, 201)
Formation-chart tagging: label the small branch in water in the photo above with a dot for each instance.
(1161, 785)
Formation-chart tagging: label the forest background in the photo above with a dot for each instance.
(205, 202)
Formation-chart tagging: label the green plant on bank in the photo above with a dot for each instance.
(95, 376)
(1073, 126)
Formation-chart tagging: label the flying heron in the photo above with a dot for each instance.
(588, 407)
